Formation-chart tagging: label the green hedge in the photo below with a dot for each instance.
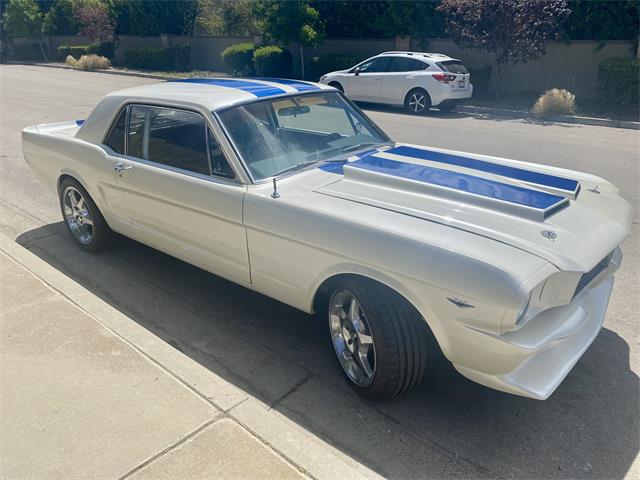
(618, 81)
(272, 61)
(76, 51)
(238, 58)
(149, 58)
(330, 63)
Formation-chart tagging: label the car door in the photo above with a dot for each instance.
(399, 78)
(365, 83)
(180, 193)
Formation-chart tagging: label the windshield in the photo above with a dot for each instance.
(276, 136)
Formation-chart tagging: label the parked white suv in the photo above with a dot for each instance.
(416, 80)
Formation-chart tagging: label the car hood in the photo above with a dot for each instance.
(570, 219)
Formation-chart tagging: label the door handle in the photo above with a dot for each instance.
(122, 166)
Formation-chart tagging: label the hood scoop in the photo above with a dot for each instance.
(384, 170)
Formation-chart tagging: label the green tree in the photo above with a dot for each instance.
(23, 18)
(381, 18)
(226, 18)
(152, 17)
(610, 20)
(294, 21)
(60, 19)
(513, 30)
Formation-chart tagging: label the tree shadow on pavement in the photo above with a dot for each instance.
(501, 116)
(448, 427)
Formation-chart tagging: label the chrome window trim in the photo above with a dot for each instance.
(253, 181)
(240, 178)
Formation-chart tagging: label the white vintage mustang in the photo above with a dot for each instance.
(287, 188)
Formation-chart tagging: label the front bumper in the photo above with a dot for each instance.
(535, 359)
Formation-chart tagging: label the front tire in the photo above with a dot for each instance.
(417, 102)
(82, 217)
(380, 340)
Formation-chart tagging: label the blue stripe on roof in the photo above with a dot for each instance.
(461, 181)
(489, 167)
(296, 84)
(255, 88)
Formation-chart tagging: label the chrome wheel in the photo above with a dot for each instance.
(417, 102)
(77, 215)
(352, 339)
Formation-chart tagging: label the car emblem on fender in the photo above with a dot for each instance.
(460, 303)
(550, 234)
(595, 190)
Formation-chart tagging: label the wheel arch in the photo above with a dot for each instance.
(321, 290)
(337, 85)
(67, 173)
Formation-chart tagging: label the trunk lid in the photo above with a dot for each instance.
(570, 219)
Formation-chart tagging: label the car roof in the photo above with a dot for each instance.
(439, 57)
(217, 93)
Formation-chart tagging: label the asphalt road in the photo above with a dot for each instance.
(449, 427)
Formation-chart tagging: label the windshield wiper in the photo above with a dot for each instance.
(358, 147)
(297, 166)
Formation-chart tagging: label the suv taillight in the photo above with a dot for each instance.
(444, 78)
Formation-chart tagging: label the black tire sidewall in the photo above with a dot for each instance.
(427, 104)
(101, 230)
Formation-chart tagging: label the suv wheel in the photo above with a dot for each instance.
(417, 101)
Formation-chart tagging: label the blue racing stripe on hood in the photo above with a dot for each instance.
(254, 88)
(296, 84)
(489, 167)
(460, 181)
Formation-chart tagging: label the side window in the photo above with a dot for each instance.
(402, 64)
(375, 66)
(219, 164)
(115, 140)
(176, 138)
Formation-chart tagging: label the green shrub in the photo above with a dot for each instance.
(105, 49)
(480, 78)
(76, 51)
(330, 63)
(182, 55)
(272, 61)
(238, 58)
(148, 58)
(27, 52)
(618, 81)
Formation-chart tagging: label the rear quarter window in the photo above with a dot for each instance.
(115, 140)
(453, 66)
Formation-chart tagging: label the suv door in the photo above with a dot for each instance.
(400, 78)
(365, 83)
(180, 193)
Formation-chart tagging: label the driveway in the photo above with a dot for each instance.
(448, 427)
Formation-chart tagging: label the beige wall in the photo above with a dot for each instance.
(566, 65)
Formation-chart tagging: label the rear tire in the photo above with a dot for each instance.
(381, 343)
(417, 101)
(82, 217)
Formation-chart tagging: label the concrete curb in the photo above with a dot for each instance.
(305, 451)
(471, 109)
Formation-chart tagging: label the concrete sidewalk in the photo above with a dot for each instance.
(85, 393)
(77, 401)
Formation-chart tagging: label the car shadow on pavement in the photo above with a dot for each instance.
(447, 427)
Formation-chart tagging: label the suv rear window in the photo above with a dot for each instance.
(453, 66)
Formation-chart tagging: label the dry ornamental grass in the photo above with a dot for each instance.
(89, 62)
(555, 101)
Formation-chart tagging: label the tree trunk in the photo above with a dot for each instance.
(44, 55)
(301, 62)
(502, 70)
